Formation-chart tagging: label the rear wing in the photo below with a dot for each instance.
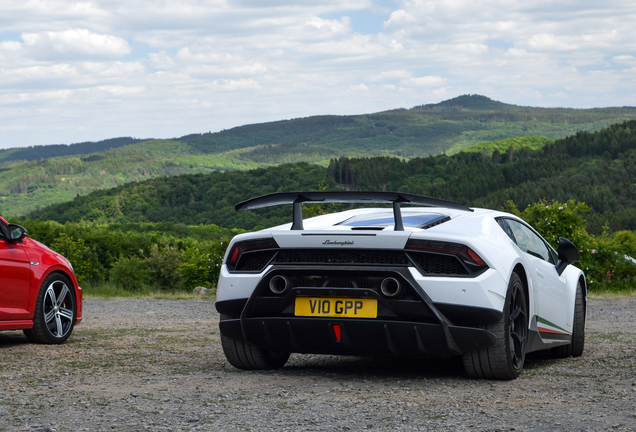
(298, 198)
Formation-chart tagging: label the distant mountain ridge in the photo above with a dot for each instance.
(468, 102)
(597, 168)
(56, 150)
(313, 128)
(33, 178)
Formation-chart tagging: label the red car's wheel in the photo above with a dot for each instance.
(55, 311)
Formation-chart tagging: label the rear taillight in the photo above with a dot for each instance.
(241, 247)
(463, 252)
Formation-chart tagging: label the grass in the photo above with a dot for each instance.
(108, 290)
(619, 290)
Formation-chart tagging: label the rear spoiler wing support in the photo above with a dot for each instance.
(297, 223)
(298, 198)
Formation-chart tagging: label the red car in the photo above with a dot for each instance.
(39, 293)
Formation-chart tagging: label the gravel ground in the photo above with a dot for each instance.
(137, 365)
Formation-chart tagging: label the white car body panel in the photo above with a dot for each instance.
(488, 290)
(478, 230)
(341, 239)
(237, 286)
(551, 298)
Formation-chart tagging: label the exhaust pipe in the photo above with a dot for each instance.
(278, 284)
(390, 287)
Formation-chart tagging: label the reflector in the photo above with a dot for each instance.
(337, 331)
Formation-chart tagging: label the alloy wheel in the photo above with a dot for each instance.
(58, 309)
(518, 326)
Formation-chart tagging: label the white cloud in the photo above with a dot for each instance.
(68, 45)
(391, 75)
(79, 42)
(36, 74)
(161, 60)
(117, 69)
(425, 81)
(359, 87)
(56, 96)
(120, 68)
(625, 59)
(117, 90)
(328, 28)
(550, 42)
(240, 84)
(10, 46)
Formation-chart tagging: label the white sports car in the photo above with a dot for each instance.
(436, 280)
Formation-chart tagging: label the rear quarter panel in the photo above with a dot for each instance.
(482, 233)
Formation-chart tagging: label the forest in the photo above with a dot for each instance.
(158, 215)
(33, 178)
(170, 233)
(56, 150)
(597, 168)
(127, 259)
(447, 127)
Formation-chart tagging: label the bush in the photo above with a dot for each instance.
(556, 220)
(163, 266)
(196, 268)
(161, 256)
(201, 267)
(604, 258)
(130, 273)
(83, 258)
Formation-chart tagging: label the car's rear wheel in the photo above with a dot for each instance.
(55, 310)
(247, 356)
(505, 359)
(576, 347)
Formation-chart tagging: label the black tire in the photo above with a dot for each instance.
(576, 347)
(505, 359)
(247, 356)
(55, 311)
(30, 336)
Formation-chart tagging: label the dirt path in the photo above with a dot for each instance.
(137, 365)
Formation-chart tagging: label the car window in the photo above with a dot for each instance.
(504, 226)
(417, 220)
(528, 241)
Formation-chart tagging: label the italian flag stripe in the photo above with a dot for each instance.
(545, 326)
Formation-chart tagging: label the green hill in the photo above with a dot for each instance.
(56, 150)
(502, 146)
(468, 103)
(446, 127)
(598, 168)
(28, 183)
(27, 186)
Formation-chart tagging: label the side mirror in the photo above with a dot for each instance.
(18, 232)
(567, 254)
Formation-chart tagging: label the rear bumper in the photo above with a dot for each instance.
(407, 324)
(364, 337)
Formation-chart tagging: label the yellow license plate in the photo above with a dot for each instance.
(341, 307)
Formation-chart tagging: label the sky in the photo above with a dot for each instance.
(74, 71)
